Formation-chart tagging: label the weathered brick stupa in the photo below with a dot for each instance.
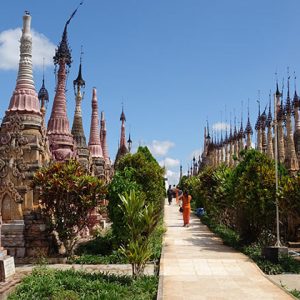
(23, 149)
(288, 137)
(123, 150)
(108, 172)
(77, 128)
(296, 104)
(291, 161)
(95, 148)
(61, 140)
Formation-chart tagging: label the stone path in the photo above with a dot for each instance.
(196, 265)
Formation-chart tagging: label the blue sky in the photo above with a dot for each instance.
(173, 63)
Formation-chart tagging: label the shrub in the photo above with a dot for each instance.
(68, 195)
(139, 172)
(102, 245)
(147, 173)
(141, 220)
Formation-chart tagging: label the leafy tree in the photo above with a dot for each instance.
(139, 172)
(147, 173)
(253, 195)
(289, 203)
(141, 220)
(67, 195)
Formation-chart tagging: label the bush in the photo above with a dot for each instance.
(147, 173)
(137, 172)
(101, 245)
(68, 196)
(295, 293)
(243, 198)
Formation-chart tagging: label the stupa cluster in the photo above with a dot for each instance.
(227, 150)
(26, 144)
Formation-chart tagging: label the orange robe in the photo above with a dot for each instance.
(186, 205)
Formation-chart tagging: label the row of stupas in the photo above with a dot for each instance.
(26, 144)
(228, 150)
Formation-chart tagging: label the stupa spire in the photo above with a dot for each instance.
(123, 135)
(43, 97)
(296, 105)
(94, 143)
(77, 127)
(291, 160)
(24, 98)
(123, 147)
(103, 138)
(248, 131)
(269, 120)
(129, 143)
(60, 138)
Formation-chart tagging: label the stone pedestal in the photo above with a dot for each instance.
(272, 253)
(7, 266)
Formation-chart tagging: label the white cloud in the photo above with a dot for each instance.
(160, 148)
(173, 177)
(219, 126)
(10, 49)
(169, 162)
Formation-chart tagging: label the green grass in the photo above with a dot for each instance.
(286, 264)
(295, 293)
(52, 284)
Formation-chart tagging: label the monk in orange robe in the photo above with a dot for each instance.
(186, 205)
(178, 194)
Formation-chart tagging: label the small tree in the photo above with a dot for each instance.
(139, 172)
(68, 195)
(140, 220)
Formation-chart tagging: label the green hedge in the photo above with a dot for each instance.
(243, 197)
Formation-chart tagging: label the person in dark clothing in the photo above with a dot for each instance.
(170, 194)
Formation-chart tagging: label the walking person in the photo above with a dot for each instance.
(178, 194)
(186, 205)
(170, 194)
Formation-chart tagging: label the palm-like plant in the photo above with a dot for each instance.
(140, 220)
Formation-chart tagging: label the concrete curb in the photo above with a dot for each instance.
(161, 278)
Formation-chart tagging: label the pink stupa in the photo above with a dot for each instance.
(123, 150)
(94, 143)
(103, 138)
(60, 137)
(25, 99)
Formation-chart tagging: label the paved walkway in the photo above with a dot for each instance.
(196, 265)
